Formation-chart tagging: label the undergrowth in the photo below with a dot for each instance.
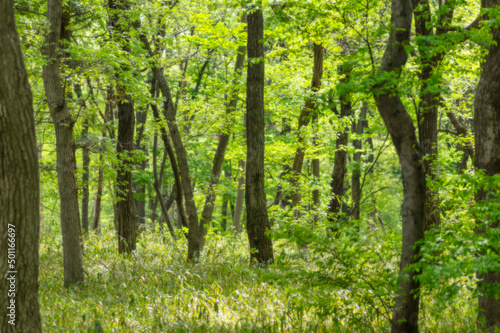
(155, 290)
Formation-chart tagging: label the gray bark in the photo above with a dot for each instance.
(304, 119)
(402, 132)
(487, 149)
(261, 247)
(63, 125)
(19, 184)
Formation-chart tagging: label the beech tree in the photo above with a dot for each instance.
(261, 247)
(487, 160)
(19, 187)
(63, 124)
(402, 132)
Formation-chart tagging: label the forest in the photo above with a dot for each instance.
(250, 166)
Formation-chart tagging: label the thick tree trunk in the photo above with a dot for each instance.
(339, 169)
(125, 205)
(63, 124)
(305, 117)
(261, 247)
(487, 149)
(19, 181)
(126, 218)
(402, 132)
(356, 172)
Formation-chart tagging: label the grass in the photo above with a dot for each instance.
(155, 290)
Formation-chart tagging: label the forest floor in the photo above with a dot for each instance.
(155, 290)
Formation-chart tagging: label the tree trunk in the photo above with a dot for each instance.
(304, 119)
(487, 149)
(126, 218)
(86, 161)
(19, 209)
(63, 124)
(125, 205)
(140, 189)
(208, 209)
(339, 169)
(98, 198)
(240, 194)
(356, 172)
(85, 180)
(261, 247)
(157, 186)
(315, 172)
(225, 203)
(402, 132)
(427, 113)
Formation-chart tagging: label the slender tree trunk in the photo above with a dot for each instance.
(283, 198)
(261, 247)
(98, 198)
(356, 172)
(19, 184)
(315, 172)
(402, 132)
(85, 181)
(86, 162)
(427, 112)
(208, 209)
(63, 124)
(240, 195)
(157, 186)
(339, 169)
(305, 117)
(487, 149)
(140, 189)
(467, 148)
(225, 202)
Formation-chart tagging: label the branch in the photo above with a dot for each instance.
(26, 10)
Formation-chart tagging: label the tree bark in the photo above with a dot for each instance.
(63, 125)
(240, 195)
(86, 163)
(19, 184)
(125, 205)
(126, 218)
(487, 149)
(316, 173)
(427, 113)
(157, 186)
(305, 117)
(140, 189)
(402, 132)
(85, 180)
(339, 169)
(356, 172)
(261, 247)
(98, 198)
(208, 209)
